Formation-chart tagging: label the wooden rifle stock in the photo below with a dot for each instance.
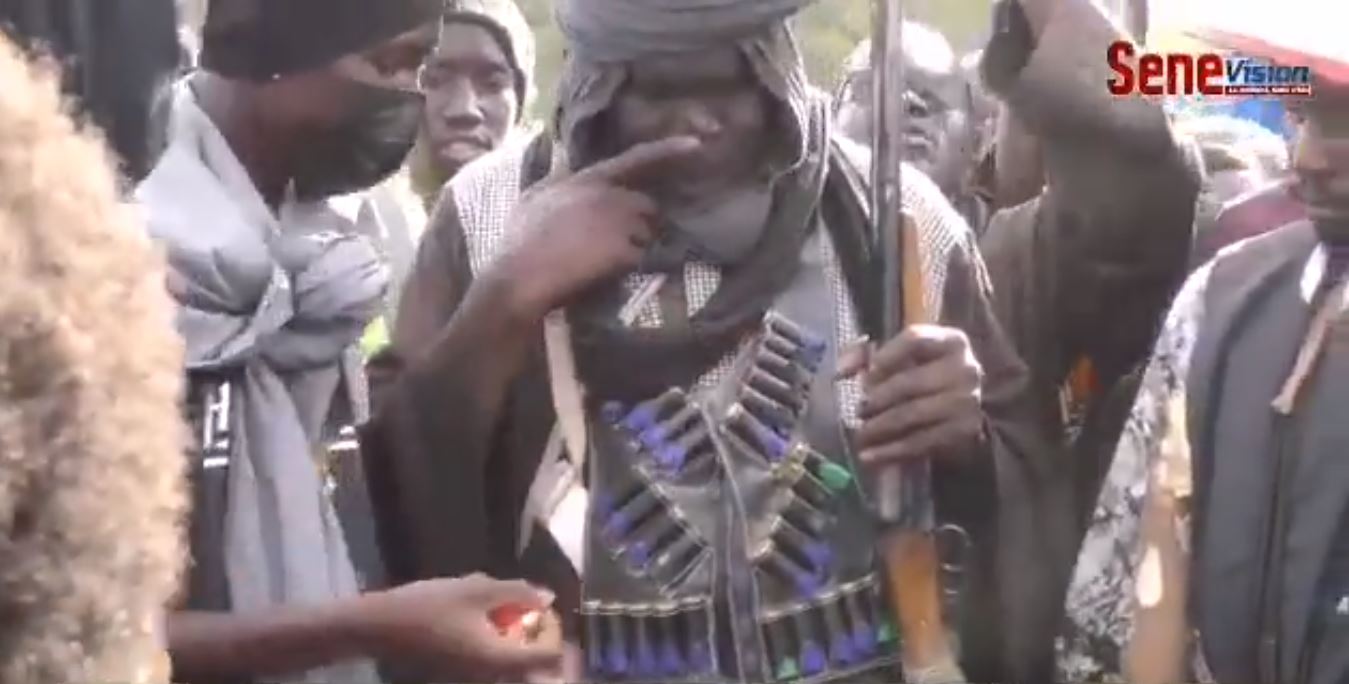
(903, 496)
(1157, 651)
(908, 546)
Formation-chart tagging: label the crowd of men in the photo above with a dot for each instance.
(322, 362)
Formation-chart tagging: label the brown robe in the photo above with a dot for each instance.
(1084, 271)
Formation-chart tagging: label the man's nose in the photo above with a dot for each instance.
(458, 103)
(915, 105)
(697, 119)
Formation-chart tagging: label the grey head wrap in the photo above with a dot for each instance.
(603, 36)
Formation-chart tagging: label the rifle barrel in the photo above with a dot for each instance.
(903, 494)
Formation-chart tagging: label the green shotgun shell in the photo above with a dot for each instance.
(885, 632)
(835, 477)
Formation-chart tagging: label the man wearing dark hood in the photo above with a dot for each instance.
(297, 101)
(1221, 535)
(478, 80)
(478, 84)
(622, 365)
(941, 127)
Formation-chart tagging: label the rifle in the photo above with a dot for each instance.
(1156, 653)
(907, 543)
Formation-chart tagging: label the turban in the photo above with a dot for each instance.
(261, 39)
(621, 30)
(604, 35)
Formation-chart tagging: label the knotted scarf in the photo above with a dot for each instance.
(279, 303)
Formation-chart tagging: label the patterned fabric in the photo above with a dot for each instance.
(485, 192)
(1100, 603)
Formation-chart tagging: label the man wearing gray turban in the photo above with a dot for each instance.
(626, 365)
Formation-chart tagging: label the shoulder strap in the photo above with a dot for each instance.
(847, 216)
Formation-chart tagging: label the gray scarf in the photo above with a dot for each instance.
(282, 301)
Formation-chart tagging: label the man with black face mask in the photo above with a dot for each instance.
(298, 101)
(941, 128)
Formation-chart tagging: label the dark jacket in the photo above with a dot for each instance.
(1082, 272)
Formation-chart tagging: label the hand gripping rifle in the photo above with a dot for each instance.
(903, 495)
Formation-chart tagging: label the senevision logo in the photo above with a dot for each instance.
(1201, 74)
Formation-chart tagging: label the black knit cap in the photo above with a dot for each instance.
(260, 39)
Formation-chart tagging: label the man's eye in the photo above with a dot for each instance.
(497, 81)
(430, 79)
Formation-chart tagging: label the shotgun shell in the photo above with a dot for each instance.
(776, 415)
(791, 396)
(616, 653)
(672, 457)
(648, 413)
(645, 665)
(836, 478)
(806, 582)
(594, 645)
(790, 539)
(812, 346)
(841, 649)
(618, 523)
(863, 635)
(769, 444)
(671, 660)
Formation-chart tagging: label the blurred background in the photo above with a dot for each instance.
(828, 30)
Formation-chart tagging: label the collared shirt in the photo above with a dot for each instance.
(1102, 596)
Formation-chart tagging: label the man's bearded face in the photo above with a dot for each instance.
(938, 132)
(714, 96)
(1321, 160)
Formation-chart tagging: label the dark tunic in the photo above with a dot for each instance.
(1082, 272)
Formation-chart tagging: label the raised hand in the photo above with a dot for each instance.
(574, 231)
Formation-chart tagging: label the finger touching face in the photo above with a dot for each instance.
(714, 97)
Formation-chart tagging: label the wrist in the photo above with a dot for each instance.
(503, 290)
(360, 627)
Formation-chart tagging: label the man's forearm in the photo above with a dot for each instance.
(282, 641)
(436, 423)
(484, 345)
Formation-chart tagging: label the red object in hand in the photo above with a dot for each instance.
(514, 619)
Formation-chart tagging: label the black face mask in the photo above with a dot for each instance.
(365, 149)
